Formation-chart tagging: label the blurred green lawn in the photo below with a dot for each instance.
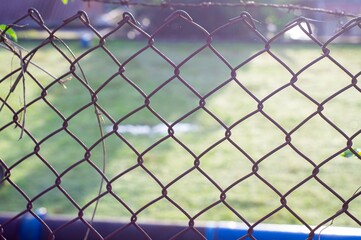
(257, 136)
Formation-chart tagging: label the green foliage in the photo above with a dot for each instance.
(9, 31)
(348, 153)
(66, 1)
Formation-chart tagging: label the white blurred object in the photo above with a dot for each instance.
(296, 33)
(151, 130)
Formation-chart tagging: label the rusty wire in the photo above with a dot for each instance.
(128, 20)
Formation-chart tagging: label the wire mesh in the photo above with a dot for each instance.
(110, 130)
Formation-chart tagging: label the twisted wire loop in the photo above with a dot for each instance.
(91, 96)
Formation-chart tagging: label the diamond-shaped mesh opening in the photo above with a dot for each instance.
(125, 98)
(319, 80)
(32, 176)
(15, 99)
(250, 136)
(72, 184)
(140, 129)
(173, 101)
(252, 199)
(225, 164)
(284, 162)
(52, 150)
(343, 56)
(195, 184)
(197, 71)
(100, 70)
(40, 120)
(46, 57)
(9, 139)
(143, 70)
(118, 156)
(339, 171)
(62, 206)
(230, 103)
(70, 99)
(259, 82)
(289, 108)
(342, 111)
(11, 199)
(126, 188)
(307, 139)
(168, 160)
(311, 201)
(85, 126)
(205, 124)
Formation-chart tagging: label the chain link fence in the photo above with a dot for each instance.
(140, 142)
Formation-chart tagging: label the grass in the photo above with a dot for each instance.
(168, 160)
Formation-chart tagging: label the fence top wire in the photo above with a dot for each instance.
(244, 4)
(171, 134)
